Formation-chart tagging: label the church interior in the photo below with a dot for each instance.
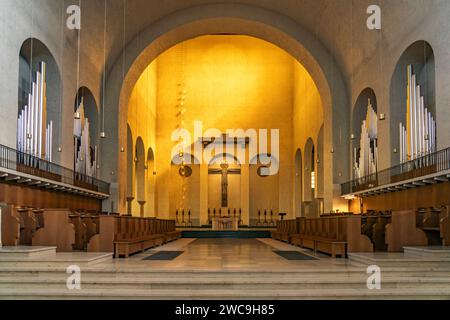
(205, 149)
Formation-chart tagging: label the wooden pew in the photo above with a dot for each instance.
(92, 226)
(379, 231)
(402, 232)
(29, 226)
(58, 231)
(103, 241)
(332, 235)
(445, 226)
(126, 235)
(10, 226)
(80, 232)
(285, 228)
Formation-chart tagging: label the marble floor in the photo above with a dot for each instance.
(227, 254)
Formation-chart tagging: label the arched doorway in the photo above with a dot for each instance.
(140, 163)
(151, 183)
(298, 183)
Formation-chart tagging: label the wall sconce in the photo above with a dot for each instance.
(332, 150)
(59, 149)
(382, 116)
(340, 174)
(318, 161)
(112, 173)
(77, 116)
(103, 135)
(98, 167)
(352, 137)
(395, 150)
(122, 149)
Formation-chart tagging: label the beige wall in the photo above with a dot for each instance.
(307, 122)
(142, 121)
(231, 82)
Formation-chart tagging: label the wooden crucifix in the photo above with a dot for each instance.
(224, 171)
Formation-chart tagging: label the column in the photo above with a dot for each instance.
(142, 208)
(245, 194)
(129, 205)
(203, 188)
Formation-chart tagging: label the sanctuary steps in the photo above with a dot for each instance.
(347, 285)
(103, 281)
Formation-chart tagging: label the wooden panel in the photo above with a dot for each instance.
(57, 231)
(436, 195)
(402, 232)
(356, 241)
(26, 196)
(445, 227)
(10, 226)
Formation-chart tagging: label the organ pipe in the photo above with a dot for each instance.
(366, 157)
(85, 155)
(34, 134)
(418, 136)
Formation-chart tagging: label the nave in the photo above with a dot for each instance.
(223, 269)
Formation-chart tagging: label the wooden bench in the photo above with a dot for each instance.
(403, 232)
(333, 247)
(285, 228)
(135, 235)
(332, 235)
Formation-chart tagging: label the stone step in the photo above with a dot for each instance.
(187, 294)
(398, 260)
(59, 259)
(45, 272)
(220, 284)
(26, 252)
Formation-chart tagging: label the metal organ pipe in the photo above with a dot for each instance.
(367, 162)
(85, 160)
(418, 137)
(34, 134)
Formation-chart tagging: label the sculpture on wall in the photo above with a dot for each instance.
(366, 157)
(418, 136)
(85, 154)
(34, 134)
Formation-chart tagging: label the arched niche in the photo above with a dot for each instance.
(130, 161)
(264, 190)
(86, 110)
(359, 115)
(140, 162)
(151, 183)
(31, 54)
(309, 168)
(320, 180)
(420, 55)
(298, 183)
(91, 112)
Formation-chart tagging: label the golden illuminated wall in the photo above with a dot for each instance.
(142, 121)
(308, 120)
(231, 82)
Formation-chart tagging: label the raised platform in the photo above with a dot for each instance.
(241, 234)
(388, 259)
(428, 252)
(22, 256)
(26, 252)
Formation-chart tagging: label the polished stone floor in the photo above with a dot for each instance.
(227, 254)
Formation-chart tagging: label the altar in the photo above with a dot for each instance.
(225, 223)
